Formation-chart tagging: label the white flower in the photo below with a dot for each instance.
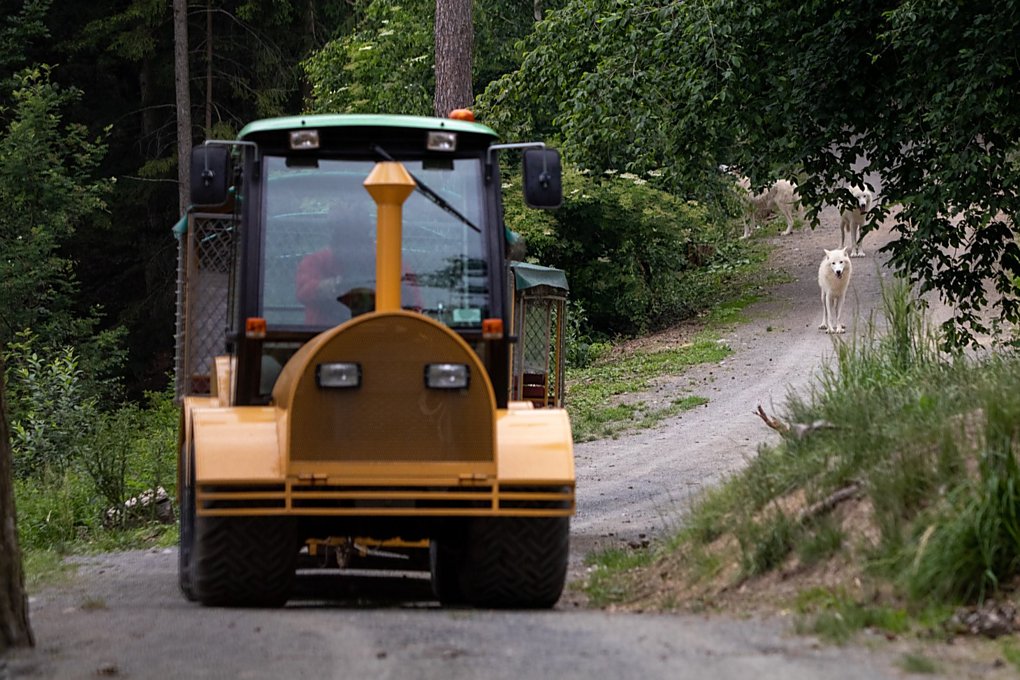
(388, 31)
(611, 172)
(655, 173)
(628, 175)
(364, 47)
(639, 181)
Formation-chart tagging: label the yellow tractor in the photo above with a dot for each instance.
(346, 365)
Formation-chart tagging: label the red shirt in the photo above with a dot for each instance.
(312, 269)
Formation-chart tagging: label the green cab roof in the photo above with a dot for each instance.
(336, 120)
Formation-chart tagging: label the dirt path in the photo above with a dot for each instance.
(123, 617)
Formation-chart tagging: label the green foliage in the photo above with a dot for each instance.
(1011, 651)
(47, 189)
(765, 543)
(821, 541)
(21, 29)
(604, 586)
(51, 412)
(765, 86)
(121, 454)
(583, 345)
(972, 547)
(637, 258)
(384, 66)
(835, 616)
(385, 62)
(916, 663)
(55, 511)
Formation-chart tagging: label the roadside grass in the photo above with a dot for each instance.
(45, 566)
(592, 392)
(595, 393)
(901, 506)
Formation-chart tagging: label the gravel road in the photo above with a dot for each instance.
(122, 616)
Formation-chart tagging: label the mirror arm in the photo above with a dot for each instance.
(519, 145)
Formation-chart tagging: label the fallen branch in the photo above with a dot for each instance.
(829, 503)
(795, 431)
(776, 424)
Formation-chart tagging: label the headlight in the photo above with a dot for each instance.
(441, 141)
(340, 374)
(447, 376)
(304, 139)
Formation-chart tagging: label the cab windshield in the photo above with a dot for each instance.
(319, 242)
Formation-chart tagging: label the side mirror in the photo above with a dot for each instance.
(543, 178)
(210, 174)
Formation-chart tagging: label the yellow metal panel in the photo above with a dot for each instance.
(535, 445)
(236, 444)
(392, 417)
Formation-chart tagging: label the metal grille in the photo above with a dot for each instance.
(539, 324)
(205, 254)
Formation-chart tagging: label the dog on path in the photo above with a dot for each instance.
(833, 278)
(851, 221)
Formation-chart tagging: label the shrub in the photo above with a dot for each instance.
(51, 412)
(636, 258)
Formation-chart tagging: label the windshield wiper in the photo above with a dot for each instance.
(429, 193)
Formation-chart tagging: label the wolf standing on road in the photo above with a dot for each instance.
(833, 278)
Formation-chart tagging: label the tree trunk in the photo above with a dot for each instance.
(208, 70)
(454, 51)
(181, 79)
(15, 630)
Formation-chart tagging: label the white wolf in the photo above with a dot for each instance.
(833, 278)
(852, 220)
(780, 197)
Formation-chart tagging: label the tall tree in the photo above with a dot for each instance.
(454, 53)
(182, 78)
(15, 628)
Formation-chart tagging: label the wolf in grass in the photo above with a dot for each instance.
(833, 278)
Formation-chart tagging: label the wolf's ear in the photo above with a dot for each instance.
(827, 252)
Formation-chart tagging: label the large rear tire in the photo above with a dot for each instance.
(186, 526)
(446, 555)
(244, 561)
(515, 562)
(186, 533)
